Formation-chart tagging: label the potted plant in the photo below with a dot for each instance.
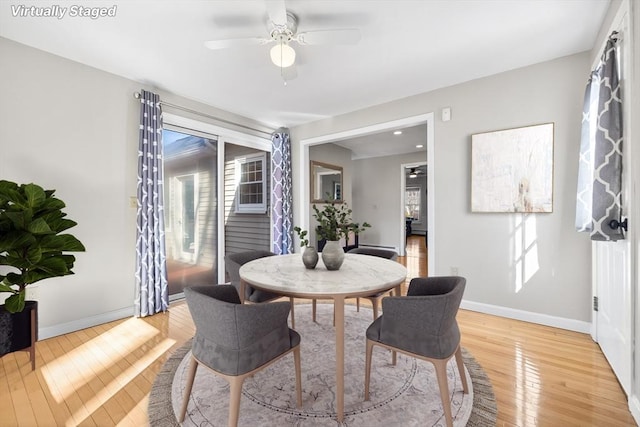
(309, 255)
(31, 249)
(335, 222)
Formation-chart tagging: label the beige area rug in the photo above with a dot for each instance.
(403, 395)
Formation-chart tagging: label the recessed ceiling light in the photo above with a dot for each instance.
(398, 132)
(419, 146)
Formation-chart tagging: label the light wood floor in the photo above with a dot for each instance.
(101, 376)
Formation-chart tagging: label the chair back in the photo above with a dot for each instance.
(382, 253)
(233, 262)
(228, 338)
(424, 321)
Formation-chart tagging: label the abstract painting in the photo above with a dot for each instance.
(512, 170)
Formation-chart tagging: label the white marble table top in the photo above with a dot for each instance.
(359, 275)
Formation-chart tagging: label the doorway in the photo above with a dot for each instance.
(303, 199)
(190, 165)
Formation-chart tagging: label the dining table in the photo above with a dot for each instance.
(359, 276)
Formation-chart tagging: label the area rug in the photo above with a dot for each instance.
(406, 394)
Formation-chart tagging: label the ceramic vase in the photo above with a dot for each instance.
(310, 257)
(332, 255)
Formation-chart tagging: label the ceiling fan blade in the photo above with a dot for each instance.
(277, 11)
(347, 36)
(226, 43)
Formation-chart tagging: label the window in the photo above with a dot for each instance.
(250, 184)
(412, 203)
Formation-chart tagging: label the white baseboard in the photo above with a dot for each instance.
(86, 322)
(528, 316)
(634, 407)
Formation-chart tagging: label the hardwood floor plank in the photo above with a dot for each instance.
(541, 376)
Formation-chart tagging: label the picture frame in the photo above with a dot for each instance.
(512, 170)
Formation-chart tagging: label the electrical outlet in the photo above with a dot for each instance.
(133, 202)
(454, 271)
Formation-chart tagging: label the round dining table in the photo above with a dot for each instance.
(359, 276)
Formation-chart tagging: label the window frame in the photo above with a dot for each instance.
(418, 190)
(251, 208)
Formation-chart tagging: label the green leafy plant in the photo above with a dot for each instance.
(334, 220)
(302, 234)
(31, 220)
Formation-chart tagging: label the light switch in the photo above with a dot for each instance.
(446, 114)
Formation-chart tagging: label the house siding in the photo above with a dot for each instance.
(244, 231)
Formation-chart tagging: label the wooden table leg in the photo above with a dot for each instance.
(243, 285)
(338, 309)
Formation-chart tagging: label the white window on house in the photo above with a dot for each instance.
(412, 203)
(251, 185)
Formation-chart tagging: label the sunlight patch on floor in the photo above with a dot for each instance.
(127, 376)
(72, 370)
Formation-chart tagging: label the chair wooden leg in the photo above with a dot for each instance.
(234, 402)
(296, 361)
(293, 318)
(191, 374)
(394, 357)
(367, 369)
(463, 377)
(441, 373)
(358, 304)
(313, 310)
(374, 303)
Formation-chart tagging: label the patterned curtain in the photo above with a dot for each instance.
(281, 201)
(151, 295)
(600, 170)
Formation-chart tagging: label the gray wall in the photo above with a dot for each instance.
(376, 197)
(74, 128)
(483, 246)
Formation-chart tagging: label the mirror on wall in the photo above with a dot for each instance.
(326, 181)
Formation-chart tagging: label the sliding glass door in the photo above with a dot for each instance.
(190, 171)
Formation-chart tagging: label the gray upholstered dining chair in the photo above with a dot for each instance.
(423, 325)
(232, 344)
(382, 253)
(233, 262)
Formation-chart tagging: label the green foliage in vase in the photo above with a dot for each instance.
(334, 220)
(31, 220)
(302, 234)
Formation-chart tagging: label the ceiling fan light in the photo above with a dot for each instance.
(283, 55)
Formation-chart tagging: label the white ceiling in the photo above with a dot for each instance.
(407, 47)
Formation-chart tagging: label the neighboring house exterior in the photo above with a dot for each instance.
(248, 229)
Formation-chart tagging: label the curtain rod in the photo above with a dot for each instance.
(137, 95)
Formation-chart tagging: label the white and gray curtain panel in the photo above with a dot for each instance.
(281, 193)
(151, 292)
(600, 169)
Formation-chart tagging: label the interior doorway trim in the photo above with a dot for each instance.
(303, 199)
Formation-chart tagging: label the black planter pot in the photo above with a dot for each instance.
(19, 331)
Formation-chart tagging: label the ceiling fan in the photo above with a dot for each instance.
(282, 26)
(414, 172)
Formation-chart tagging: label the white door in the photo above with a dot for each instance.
(612, 260)
(613, 318)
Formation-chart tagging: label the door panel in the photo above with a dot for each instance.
(613, 318)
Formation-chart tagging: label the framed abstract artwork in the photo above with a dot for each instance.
(512, 170)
